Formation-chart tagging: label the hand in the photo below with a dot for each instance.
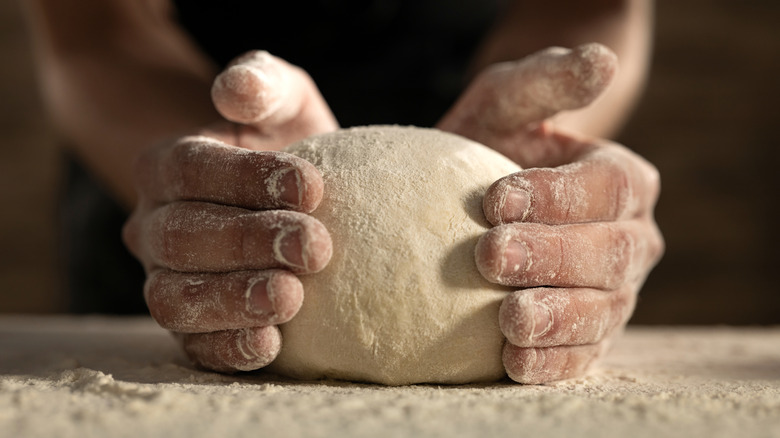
(221, 225)
(574, 230)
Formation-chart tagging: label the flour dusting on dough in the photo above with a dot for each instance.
(401, 300)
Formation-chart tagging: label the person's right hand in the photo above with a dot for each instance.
(221, 226)
(574, 231)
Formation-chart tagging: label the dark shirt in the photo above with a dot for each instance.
(375, 62)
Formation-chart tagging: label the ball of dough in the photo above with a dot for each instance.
(401, 300)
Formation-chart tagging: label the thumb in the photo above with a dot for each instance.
(511, 96)
(266, 93)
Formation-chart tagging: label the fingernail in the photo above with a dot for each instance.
(290, 187)
(257, 347)
(542, 319)
(516, 204)
(515, 259)
(258, 299)
(288, 248)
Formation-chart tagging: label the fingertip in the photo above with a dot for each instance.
(285, 293)
(573, 78)
(309, 186)
(502, 257)
(258, 88)
(596, 53)
(523, 320)
(245, 94)
(273, 297)
(290, 182)
(511, 318)
(534, 366)
(296, 184)
(234, 350)
(290, 187)
(304, 247)
(492, 201)
(596, 66)
(318, 248)
(521, 364)
(201, 168)
(485, 255)
(490, 254)
(507, 200)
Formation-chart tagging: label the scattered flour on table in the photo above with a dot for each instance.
(95, 377)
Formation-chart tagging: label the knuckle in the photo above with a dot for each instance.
(657, 244)
(175, 300)
(492, 76)
(184, 153)
(155, 294)
(209, 350)
(653, 176)
(622, 256)
(181, 169)
(168, 236)
(630, 179)
(548, 190)
(621, 190)
(647, 179)
(621, 307)
(167, 247)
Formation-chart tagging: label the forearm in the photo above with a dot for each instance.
(117, 79)
(625, 26)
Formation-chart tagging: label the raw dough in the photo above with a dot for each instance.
(401, 301)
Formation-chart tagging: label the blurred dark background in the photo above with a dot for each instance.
(708, 120)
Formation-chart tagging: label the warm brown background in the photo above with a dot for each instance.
(27, 177)
(708, 121)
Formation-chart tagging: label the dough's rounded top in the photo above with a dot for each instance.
(401, 300)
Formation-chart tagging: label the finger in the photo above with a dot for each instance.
(197, 303)
(605, 183)
(508, 97)
(257, 87)
(598, 255)
(542, 365)
(265, 92)
(233, 350)
(201, 237)
(203, 169)
(546, 317)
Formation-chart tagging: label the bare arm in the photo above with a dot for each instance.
(625, 26)
(132, 94)
(118, 76)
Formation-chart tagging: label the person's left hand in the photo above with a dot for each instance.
(574, 230)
